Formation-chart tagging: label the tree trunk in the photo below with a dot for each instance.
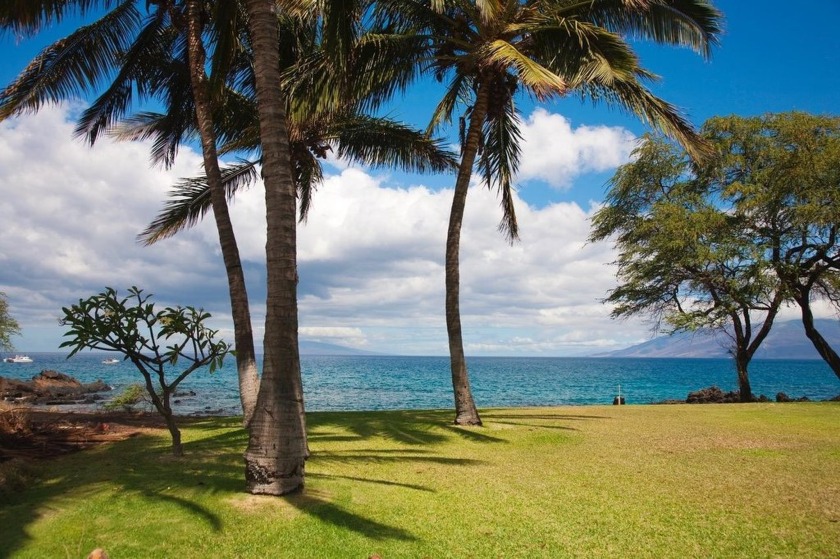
(177, 447)
(465, 410)
(746, 344)
(162, 405)
(744, 388)
(276, 454)
(246, 361)
(823, 348)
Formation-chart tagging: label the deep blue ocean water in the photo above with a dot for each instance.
(384, 382)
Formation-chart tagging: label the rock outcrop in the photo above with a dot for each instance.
(51, 388)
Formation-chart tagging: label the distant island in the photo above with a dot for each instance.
(321, 348)
(786, 340)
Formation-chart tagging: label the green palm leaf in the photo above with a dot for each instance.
(72, 66)
(190, 201)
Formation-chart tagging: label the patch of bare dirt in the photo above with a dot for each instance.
(27, 432)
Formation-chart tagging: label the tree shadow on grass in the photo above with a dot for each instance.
(505, 414)
(143, 466)
(412, 427)
(311, 504)
(375, 481)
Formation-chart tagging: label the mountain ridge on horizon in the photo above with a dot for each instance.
(786, 340)
(308, 347)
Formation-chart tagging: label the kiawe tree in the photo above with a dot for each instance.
(723, 243)
(781, 175)
(683, 259)
(489, 52)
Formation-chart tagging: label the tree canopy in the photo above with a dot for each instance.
(722, 243)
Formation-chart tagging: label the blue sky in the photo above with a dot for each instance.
(371, 253)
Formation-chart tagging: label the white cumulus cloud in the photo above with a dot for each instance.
(370, 255)
(555, 152)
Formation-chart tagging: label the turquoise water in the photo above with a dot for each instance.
(384, 382)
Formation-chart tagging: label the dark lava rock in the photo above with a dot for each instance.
(713, 395)
(50, 388)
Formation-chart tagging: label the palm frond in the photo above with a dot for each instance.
(168, 131)
(660, 114)
(695, 24)
(71, 66)
(139, 70)
(540, 80)
(458, 91)
(190, 201)
(308, 176)
(385, 142)
(499, 161)
(26, 18)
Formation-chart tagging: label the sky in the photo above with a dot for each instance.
(370, 255)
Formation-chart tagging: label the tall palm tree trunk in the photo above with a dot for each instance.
(276, 454)
(246, 361)
(465, 410)
(820, 343)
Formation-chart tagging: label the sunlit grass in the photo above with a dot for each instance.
(758, 480)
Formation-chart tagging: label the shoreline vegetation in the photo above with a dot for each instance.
(742, 480)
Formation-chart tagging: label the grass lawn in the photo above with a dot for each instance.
(756, 480)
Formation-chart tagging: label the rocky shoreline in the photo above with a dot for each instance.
(51, 388)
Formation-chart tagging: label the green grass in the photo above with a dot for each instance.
(758, 480)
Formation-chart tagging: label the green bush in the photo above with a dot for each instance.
(128, 398)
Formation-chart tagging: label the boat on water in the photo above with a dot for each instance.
(18, 359)
(110, 361)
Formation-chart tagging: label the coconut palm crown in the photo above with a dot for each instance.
(489, 52)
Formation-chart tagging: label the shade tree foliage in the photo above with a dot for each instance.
(781, 175)
(723, 243)
(683, 260)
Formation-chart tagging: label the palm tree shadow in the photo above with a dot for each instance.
(140, 465)
(310, 503)
(410, 427)
(376, 481)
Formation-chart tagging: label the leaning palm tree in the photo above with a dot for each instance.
(160, 56)
(492, 50)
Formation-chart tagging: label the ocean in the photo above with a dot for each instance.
(343, 383)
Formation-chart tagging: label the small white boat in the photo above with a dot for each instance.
(110, 361)
(18, 359)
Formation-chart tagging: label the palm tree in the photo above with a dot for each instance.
(160, 56)
(491, 50)
(246, 360)
(276, 453)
